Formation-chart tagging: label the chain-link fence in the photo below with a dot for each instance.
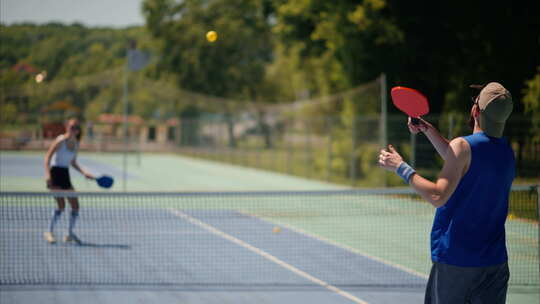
(336, 149)
(330, 148)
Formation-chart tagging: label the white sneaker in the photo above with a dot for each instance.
(49, 237)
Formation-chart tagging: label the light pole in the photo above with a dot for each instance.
(126, 127)
(135, 61)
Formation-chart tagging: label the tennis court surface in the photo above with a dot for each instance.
(336, 246)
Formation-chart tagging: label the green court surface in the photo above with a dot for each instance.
(152, 172)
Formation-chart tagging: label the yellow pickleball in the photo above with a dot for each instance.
(276, 229)
(211, 36)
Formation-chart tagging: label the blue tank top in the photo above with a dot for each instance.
(468, 231)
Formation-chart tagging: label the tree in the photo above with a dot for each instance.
(439, 48)
(233, 66)
(531, 101)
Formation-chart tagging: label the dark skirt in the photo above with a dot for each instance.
(60, 178)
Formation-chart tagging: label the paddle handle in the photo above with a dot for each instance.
(415, 121)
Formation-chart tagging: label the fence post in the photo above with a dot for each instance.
(290, 147)
(125, 123)
(308, 150)
(352, 161)
(138, 147)
(329, 149)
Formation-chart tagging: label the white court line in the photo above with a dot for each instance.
(267, 256)
(342, 246)
(110, 232)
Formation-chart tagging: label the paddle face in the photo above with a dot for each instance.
(105, 181)
(410, 102)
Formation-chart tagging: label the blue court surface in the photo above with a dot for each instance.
(170, 255)
(191, 256)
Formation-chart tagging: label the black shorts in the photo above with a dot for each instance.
(450, 284)
(60, 178)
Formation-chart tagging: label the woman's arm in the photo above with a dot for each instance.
(80, 169)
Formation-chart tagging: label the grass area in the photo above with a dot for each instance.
(311, 164)
(524, 205)
(23, 171)
(306, 163)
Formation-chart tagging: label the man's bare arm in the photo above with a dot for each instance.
(456, 164)
(437, 140)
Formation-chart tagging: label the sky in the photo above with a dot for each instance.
(91, 13)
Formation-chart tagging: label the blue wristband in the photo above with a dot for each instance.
(405, 171)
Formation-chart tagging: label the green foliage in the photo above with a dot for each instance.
(84, 70)
(352, 33)
(531, 100)
(436, 47)
(9, 113)
(234, 65)
(281, 51)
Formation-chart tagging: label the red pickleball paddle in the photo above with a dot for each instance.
(410, 102)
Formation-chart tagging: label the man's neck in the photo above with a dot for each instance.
(477, 129)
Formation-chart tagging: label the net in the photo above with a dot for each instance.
(350, 238)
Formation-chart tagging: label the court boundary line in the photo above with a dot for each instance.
(342, 246)
(267, 256)
(97, 230)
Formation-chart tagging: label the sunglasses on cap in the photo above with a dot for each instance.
(477, 89)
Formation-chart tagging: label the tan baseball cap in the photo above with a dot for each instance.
(496, 105)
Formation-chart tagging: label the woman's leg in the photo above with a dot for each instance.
(74, 203)
(60, 206)
(57, 213)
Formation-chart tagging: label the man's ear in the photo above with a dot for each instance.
(476, 111)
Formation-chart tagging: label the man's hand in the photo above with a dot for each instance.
(390, 159)
(422, 126)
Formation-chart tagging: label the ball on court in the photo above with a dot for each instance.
(276, 229)
(211, 36)
(511, 216)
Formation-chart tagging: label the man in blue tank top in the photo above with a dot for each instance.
(471, 194)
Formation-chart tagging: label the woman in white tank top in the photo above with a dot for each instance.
(61, 155)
